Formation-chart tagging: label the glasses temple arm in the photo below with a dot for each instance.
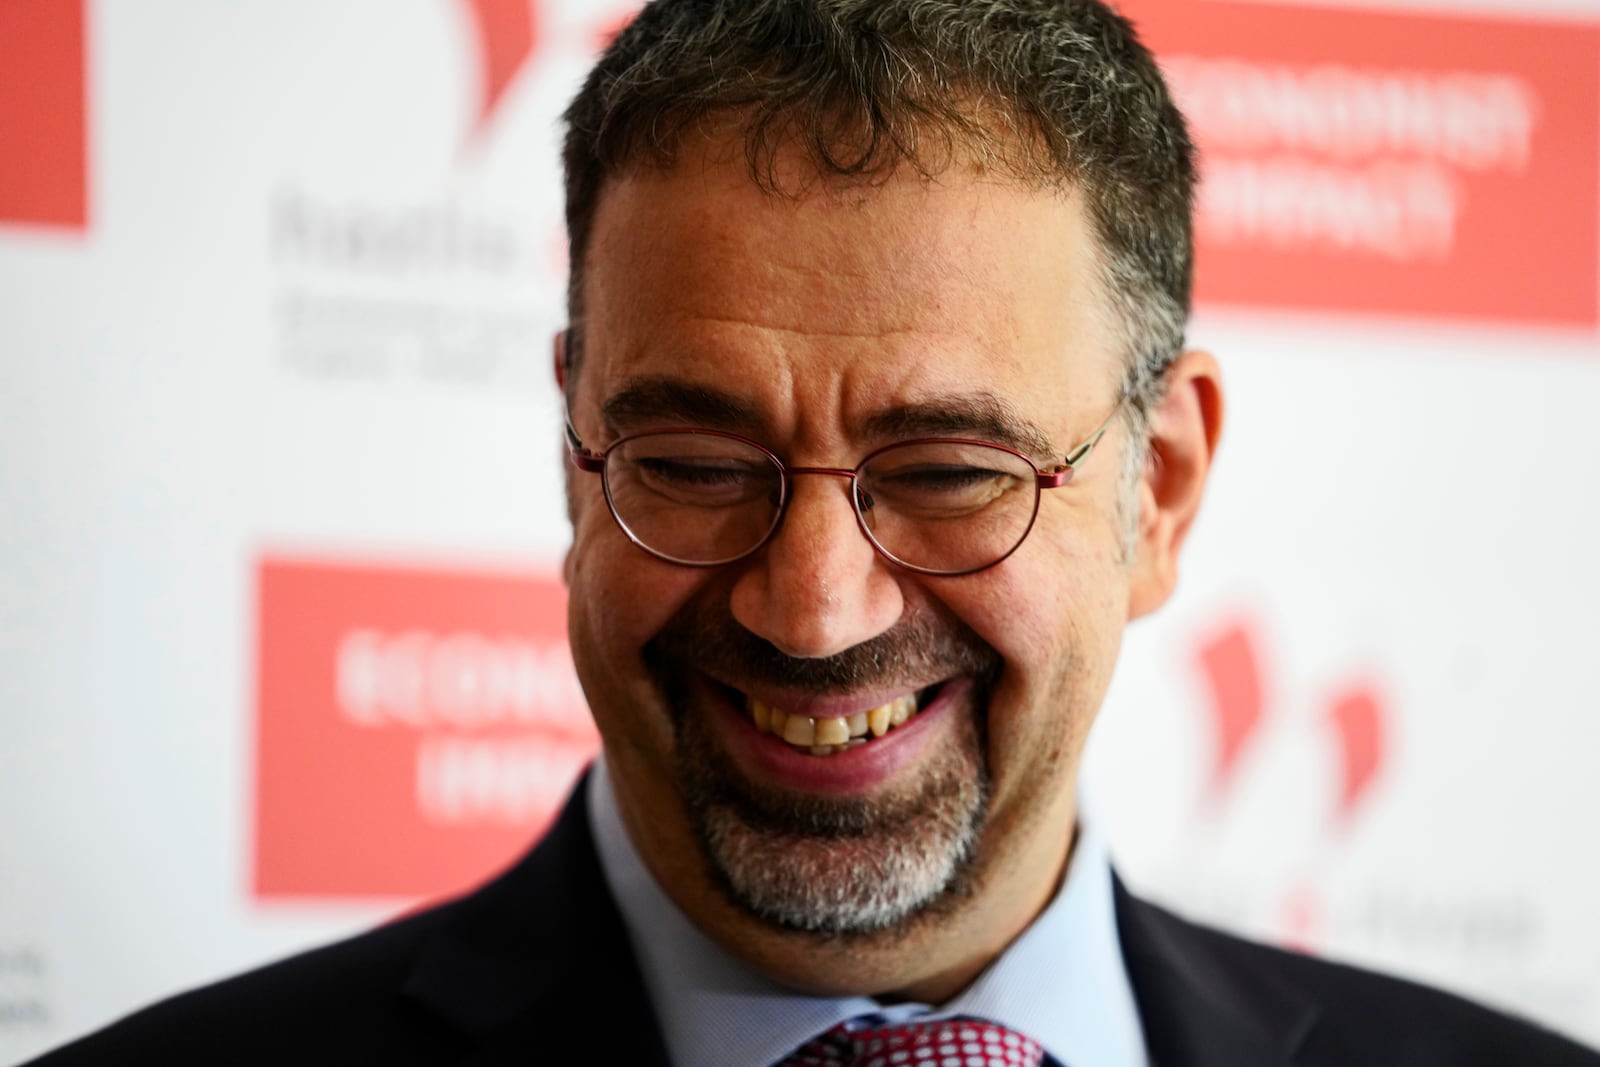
(1081, 452)
(581, 457)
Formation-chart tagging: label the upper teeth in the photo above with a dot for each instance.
(823, 737)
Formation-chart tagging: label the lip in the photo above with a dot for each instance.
(771, 761)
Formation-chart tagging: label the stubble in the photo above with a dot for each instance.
(833, 866)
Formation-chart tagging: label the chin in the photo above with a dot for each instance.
(839, 866)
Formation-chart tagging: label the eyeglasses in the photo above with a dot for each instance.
(938, 505)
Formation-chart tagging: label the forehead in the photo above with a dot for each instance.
(842, 299)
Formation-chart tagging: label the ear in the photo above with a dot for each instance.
(1184, 429)
(559, 351)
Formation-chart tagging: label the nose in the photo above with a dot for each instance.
(817, 587)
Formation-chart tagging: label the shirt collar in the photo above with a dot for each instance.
(1062, 982)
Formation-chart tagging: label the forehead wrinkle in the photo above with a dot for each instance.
(725, 218)
(740, 324)
(832, 300)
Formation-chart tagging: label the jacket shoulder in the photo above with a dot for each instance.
(483, 977)
(340, 1003)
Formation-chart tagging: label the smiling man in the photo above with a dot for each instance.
(845, 648)
(882, 429)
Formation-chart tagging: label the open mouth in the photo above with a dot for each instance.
(829, 736)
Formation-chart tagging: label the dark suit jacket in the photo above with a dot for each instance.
(535, 968)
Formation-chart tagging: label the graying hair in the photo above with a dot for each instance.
(1051, 92)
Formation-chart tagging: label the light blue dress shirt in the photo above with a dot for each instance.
(1062, 982)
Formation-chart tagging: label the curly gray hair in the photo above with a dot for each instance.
(1054, 92)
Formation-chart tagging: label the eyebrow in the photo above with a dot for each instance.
(652, 399)
(982, 415)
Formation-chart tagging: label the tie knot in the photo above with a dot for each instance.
(919, 1043)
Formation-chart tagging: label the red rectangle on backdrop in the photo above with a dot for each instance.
(416, 728)
(43, 135)
(1399, 163)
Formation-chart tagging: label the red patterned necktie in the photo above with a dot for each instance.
(919, 1043)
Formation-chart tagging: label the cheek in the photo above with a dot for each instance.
(1059, 614)
(619, 598)
(1057, 627)
(618, 592)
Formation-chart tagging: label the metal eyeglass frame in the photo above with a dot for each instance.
(593, 462)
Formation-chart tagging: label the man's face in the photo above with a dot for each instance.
(824, 326)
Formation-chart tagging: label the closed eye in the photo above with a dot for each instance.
(705, 481)
(922, 488)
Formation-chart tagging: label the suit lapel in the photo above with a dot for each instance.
(524, 964)
(1197, 1010)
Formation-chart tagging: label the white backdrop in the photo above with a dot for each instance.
(304, 323)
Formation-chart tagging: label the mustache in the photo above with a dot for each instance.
(920, 649)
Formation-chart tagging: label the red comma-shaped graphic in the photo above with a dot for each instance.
(609, 30)
(1357, 718)
(1233, 675)
(506, 35)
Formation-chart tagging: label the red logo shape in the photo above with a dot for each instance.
(1233, 676)
(612, 28)
(415, 729)
(43, 128)
(507, 32)
(1357, 719)
(1397, 163)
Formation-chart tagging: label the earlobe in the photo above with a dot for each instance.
(559, 352)
(1184, 429)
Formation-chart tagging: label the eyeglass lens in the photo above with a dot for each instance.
(937, 506)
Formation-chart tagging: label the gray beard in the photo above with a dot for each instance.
(836, 867)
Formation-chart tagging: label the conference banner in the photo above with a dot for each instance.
(283, 522)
